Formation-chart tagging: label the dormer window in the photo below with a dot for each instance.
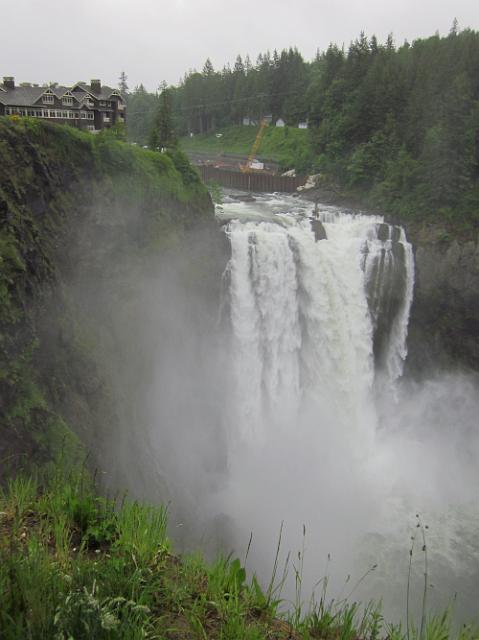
(48, 98)
(67, 99)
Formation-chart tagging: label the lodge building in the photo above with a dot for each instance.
(86, 106)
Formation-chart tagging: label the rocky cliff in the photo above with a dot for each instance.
(85, 222)
(444, 326)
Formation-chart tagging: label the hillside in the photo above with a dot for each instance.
(81, 218)
(287, 146)
(391, 127)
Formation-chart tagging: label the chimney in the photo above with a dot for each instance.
(9, 82)
(95, 86)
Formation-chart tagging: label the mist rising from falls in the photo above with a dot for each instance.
(320, 430)
(293, 409)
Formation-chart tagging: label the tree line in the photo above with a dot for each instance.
(398, 124)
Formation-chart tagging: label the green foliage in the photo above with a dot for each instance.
(397, 128)
(54, 583)
(215, 192)
(287, 146)
(84, 615)
(162, 135)
(141, 109)
(52, 178)
(180, 160)
(117, 132)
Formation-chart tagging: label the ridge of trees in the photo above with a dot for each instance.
(400, 124)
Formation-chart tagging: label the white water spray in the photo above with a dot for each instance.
(304, 313)
(319, 330)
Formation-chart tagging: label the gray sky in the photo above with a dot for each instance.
(155, 40)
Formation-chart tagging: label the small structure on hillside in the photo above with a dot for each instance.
(280, 122)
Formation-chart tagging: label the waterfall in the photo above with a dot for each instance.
(314, 322)
(319, 433)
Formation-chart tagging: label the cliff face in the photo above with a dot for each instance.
(444, 325)
(84, 220)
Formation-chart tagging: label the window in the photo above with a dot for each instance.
(67, 101)
(48, 98)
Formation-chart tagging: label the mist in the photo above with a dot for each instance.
(313, 447)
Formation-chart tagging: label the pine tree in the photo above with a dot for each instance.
(208, 69)
(163, 134)
(122, 85)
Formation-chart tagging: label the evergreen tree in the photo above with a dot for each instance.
(400, 125)
(208, 69)
(162, 135)
(122, 85)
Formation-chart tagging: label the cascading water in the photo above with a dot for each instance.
(319, 431)
(306, 315)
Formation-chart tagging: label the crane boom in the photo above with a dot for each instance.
(254, 149)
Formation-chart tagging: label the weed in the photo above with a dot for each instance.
(73, 565)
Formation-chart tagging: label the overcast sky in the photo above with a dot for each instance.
(155, 40)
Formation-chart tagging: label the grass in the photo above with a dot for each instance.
(75, 565)
(287, 146)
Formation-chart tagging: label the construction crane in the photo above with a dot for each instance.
(246, 168)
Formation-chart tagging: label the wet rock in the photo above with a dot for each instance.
(444, 321)
(382, 231)
(318, 229)
(395, 233)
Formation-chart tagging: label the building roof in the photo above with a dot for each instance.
(28, 96)
(104, 93)
(21, 96)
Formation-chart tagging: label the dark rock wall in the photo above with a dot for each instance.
(444, 325)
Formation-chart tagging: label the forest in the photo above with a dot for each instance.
(396, 125)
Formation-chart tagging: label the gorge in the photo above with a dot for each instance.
(249, 375)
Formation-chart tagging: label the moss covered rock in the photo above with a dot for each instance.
(73, 203)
